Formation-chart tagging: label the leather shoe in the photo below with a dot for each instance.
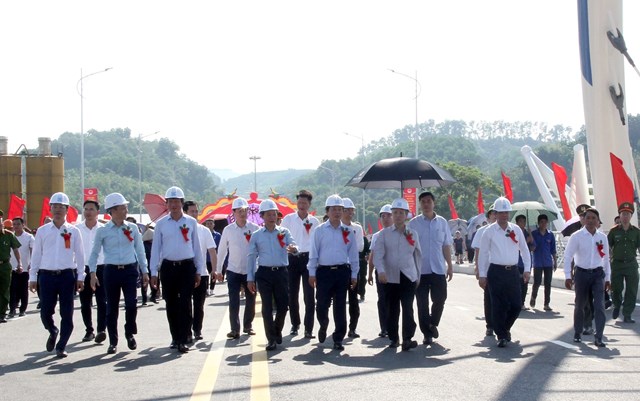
(51, 341)
(353, 334)
(183, 348)
(88, 337)
(434, 331)
(249, 332)
(598, 343)
(427, 340)
(394, 344)
(628, 319)
(197, 335)
(489, 333)
(131, 343)
(383, 333)
(408, 344)
(61, 353)
(271, 345)
(294, 331)
(322, 334)
(233, 334)
(308, 334)
(577, 338)
(502, 343)
(101, 336)
(173, 345)
(111, 349)
(279, 339)
(338, 346)
(547, 308)
(615, 313)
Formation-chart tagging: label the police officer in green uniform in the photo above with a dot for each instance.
(8, 243)
(624, 240)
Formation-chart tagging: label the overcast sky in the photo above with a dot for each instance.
(284, 80)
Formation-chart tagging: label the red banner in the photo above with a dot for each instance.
(46, 210)
(410, 195)
(506, 181)
(16, 207)
(452, 208)
(480, 202)
(91, 194)
(621, 181)
(561, 181)
(72, 215)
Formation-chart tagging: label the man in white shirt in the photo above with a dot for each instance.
(385, 221)
(20, 274)
(475, 244)
(354, 306)
(301, 225)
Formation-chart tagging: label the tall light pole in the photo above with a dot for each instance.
(140, 136)
(363, 193)
(255, 172)
(333, 178)
(415, 79)
(81, 93)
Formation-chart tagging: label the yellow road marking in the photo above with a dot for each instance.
(259, 362)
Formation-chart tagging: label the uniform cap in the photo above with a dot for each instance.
(400, 203)
(239, 203)
(334, 200)
(348, 203)
(174, 193)
(59, 197)
(267, 205)
(113, 200)
(502, 204)
(582, 208)
(385, 209)
(626, 207)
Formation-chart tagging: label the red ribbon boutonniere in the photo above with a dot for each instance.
(307, 225)
(127, 233)
(409, 237)
(345, 235)
(600, 247)
(185, 232)
(247, 235)
(281, 239)
(67, 238)
(511, 234)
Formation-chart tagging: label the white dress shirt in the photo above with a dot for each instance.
(328, 248)
(26, 245)
(394, 254)
(50, 253)
(434, 235)
(235, 241)
(498, 248)
(582, 248)
(206, 242)
(88, 238)
(169, 243)
(296, 226)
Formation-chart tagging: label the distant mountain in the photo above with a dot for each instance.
(267, 181)
(225, 173)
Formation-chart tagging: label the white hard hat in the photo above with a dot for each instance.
(174, 193)
(334, 200)
(385, 209)
(348, 203)
(400, 203)
(267, 205)
(239, 203)
(113, 200)
(59, 197)
(502, 204)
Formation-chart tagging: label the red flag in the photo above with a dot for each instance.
(452, 208)
(106, 216)
(379, 225)
(506, 181)
(621, 181)
(561, 181)
(480, 202)
(72, 215)
(369, 228)
(46, 211)
(16, 207)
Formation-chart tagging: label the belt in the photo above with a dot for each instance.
(506, 267)
(335, 267)
(597, 269)
(272, 268)
(177, 262)
(120, 267)
(54, 272)
(300, 254)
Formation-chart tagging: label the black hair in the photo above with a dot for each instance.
(186, 204)
(429, 194)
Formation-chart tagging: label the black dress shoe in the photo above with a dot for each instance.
(197, 335)
(88, 337)
(183, 348)
(394, 344)
(61, 353)
(502, 343)
(131, 343)
(409, 344)
(615, 313)
(101, 336)
(249, 332)
(577, 338)
(308, 334)
(294, 331)
(353, 334)
(51, 341)
(628, 319)
(111, 350)
(271, 345)
(322, 334)
(173, 345)
(338, 346)
(383, 333)
(233, 335)
(434, 331)
(279, 339)
(598, 343)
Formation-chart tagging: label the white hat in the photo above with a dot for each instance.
(113, 200)
(239, 203)
(59, 197)
(174, 193)
(267, 205)
(400, 203)
(348, 203)
(385, 209)
(502, 204)
(334, 200)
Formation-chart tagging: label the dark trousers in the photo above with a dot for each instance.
(178, 281)
(537, 280)
(488, 315)
(524, 288)
(53, 288)
(235, 281)
(362, 278)
(434, 285)
(504, 287)
(123, 281)
(400, 295)
(624, 276)
(471, 252)
(199, 296)
(19, 291)
(5, 287)
(332, 287)
(273, 286)
(86, 298)
(589, 283)
(298, 273)
(354, 306)
(382, 303)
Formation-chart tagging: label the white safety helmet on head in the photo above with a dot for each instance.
(239, 203)
(385, 209)
(59, 197)
(334, 200)
(174, 193)
(400, 203)
(113, 200)
(267, 205)
(502, 204)
(348, 203)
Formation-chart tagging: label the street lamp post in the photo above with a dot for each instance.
(415, 79)
(140, 172)
(80, 92)
(363, 193)
(333, 178)
(255, 172)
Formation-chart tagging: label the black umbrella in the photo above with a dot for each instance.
(401, 172)
(571, 226)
